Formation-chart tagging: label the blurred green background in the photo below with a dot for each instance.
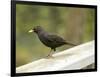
(75, 25)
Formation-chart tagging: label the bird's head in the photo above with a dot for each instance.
(36, 29)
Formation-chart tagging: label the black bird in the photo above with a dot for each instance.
(50, 40)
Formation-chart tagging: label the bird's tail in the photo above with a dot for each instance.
(70, 44)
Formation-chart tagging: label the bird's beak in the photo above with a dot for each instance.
(30, 31)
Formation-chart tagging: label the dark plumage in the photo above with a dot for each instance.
(50, 40)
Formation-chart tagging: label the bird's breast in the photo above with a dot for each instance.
(44, 40)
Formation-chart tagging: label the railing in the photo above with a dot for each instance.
(77, 57)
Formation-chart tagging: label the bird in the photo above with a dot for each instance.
(50, 40)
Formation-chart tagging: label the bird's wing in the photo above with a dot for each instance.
(58, 39)
(55, 38)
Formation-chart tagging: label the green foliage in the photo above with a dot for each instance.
(75, 25)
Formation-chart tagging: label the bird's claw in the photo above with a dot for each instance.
(49, 56)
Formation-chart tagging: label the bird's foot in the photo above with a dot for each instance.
(49, 56)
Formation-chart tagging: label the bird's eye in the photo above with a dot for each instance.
(34, 30)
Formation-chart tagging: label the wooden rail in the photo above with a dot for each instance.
(77, 57)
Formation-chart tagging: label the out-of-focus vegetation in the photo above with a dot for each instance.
(75, 25)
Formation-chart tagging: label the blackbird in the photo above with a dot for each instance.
(48, 39)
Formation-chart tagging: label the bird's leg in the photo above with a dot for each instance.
(50, 53)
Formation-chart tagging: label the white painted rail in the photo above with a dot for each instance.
(77, 57)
